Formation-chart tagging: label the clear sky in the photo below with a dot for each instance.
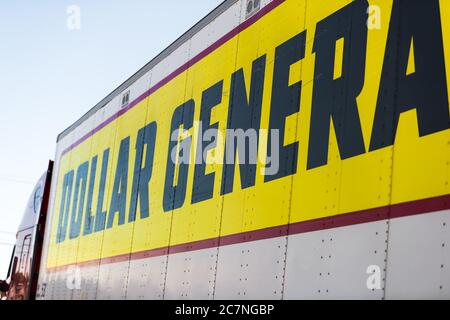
(51, 75)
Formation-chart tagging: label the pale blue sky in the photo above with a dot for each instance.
(50, 76)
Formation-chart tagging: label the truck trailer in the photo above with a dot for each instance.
(279, 149)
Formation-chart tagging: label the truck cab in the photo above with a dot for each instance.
(24, 266)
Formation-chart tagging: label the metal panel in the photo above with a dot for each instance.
(77, 246)
(90, 278)
(318, 267)
(146, 278)
(140, 86)
(216, 29)
(111, 108)
(418, 257)
(191, 275)
(112, 283)
(333, 264)
(56, 284)
(252, 270)
(123, 241)
(256, 269)
(89, 275)
(58, 281)
(88, 283)
(119, 242)
(172, 62)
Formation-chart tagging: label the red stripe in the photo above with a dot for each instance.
(353, 218)
(268, 8)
